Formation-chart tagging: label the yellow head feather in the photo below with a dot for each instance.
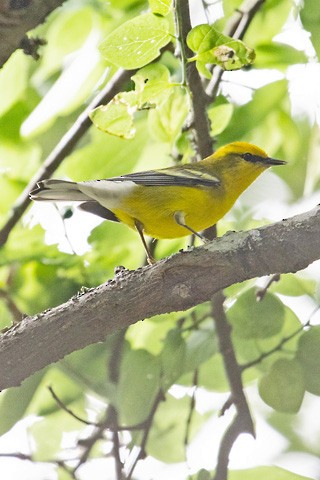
(240, 148)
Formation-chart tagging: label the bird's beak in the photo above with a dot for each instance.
(274, 161)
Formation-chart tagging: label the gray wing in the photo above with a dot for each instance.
(168, 177)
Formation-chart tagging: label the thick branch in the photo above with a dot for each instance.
(175, 283)
(17, 18)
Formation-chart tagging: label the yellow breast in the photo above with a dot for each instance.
(155, 207)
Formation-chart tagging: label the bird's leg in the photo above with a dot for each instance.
(179, 218)
(139, 228)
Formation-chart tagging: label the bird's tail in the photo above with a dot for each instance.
(58, 190)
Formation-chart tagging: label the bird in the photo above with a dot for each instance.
(170, 202)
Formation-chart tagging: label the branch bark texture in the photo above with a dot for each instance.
(175, 283)
(17, 17)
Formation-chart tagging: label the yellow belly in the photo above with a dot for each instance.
(155, 207)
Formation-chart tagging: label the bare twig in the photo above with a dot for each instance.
(191, 409)
(148, 424)
(68, 410)
(14, 310)
(113, 419)
(90, 442)
(282, 342)
(260, 293)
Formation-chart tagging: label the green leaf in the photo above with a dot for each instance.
(264, 102)
(14, 402)
(6, 317)
(252, 319)
(66, 34)
(138, 386)
(268, 21)
(13, 80)
(265, 473)
(282, 388)
(26, 245)
(127, 4)
(172, 358)
(257, 473)
(203, 475)
(294, 285)
(115, 118)
(278, 55)
(149, 334)
(212, 375)
(251, 349)
(308, 355)
(151, 83)
(36, 287)
(10, 190)
(310, 17)
(166, 121)
(65, 387)
(219, 117)
(200, 346)
(47, 433)
(160, 7)
(110, 156)
(212, 47)
(136, 42)
(166, 438)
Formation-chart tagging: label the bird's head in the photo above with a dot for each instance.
(248, 153)
(238, 164)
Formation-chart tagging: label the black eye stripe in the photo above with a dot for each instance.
(251, 158)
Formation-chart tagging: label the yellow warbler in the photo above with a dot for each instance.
(171, 202)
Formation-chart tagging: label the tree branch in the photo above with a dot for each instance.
(242, 423)
(19, 17)
(203, 141)
(175, 283)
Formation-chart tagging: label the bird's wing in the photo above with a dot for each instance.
(186, 177)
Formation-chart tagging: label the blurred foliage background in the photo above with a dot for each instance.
(164, 375)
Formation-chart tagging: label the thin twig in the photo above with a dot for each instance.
(282, 342)
(62, 149)
(113, 419)
(138, 426)
(14, 310)
(68, 410)
(90, 442)
(191, 409)
(260, 293)
(141, 454)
